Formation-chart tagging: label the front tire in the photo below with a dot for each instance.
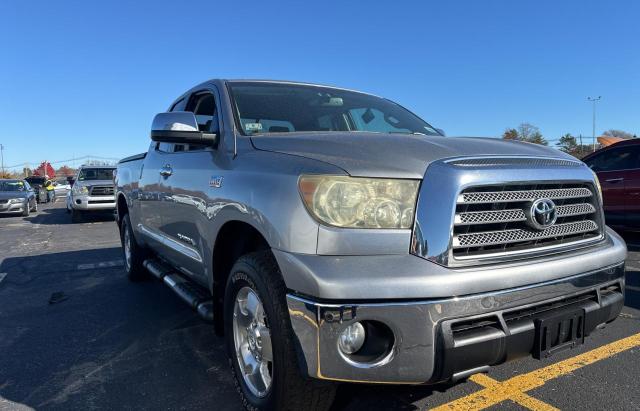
(26, 211)
(133, 255)
(260, 341)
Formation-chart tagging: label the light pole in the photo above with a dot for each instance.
(594, 101)
(2, 159)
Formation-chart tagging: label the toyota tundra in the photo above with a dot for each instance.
(334, 236)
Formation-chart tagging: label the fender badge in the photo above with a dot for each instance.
(216, 181)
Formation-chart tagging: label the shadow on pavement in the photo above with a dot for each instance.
(58, 216)
(76, 338)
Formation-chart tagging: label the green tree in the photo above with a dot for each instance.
(570, 145)
(525, 132)
(510, 134)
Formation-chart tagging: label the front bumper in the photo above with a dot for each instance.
(442, 339)
(93, 203)
(12, 208)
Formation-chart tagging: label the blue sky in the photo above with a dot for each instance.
(85, 78)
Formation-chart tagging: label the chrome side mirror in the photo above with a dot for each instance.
(180, 127)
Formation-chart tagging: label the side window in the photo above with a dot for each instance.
(164, 147)
(617, 159)
(203, 105)
(179, 105)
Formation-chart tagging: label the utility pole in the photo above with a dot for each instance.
(594, 101)
(581, 146)
(2, 159)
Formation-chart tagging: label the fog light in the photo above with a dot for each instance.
(352, 338)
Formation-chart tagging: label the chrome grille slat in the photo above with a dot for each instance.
(487, 238)
(575, 209)
(488, 217)
(512, 215)
(479, 197)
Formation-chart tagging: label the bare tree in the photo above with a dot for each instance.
(618, 133)
(525, 132)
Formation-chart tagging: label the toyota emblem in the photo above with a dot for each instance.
(542, 214)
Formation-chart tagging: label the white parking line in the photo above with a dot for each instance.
(103, 264)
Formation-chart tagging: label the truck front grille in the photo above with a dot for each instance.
(493, 219)
(101, 191)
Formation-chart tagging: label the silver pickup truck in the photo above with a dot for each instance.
(334, 236)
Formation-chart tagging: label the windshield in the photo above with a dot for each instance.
(282, 108)
(95, 174)
(12, 186)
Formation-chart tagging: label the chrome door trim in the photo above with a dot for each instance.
(171, 243)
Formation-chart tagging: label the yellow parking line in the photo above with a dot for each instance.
(517, 396)
(513, 388)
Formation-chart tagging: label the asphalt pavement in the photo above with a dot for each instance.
(75, 334)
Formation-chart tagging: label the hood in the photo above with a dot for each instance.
(5, 195)
(393, 155)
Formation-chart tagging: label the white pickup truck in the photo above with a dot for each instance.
(93, 191)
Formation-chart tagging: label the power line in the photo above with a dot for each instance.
(69, 160)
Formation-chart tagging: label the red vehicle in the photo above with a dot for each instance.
(618, 169)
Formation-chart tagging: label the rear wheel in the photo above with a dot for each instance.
(260, 342)
(132, 253)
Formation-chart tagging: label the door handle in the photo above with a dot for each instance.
(614, 180)
(166, 171)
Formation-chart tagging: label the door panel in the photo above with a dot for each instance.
(149, 198)
(613, 193)
(632, 198)
(185, 210)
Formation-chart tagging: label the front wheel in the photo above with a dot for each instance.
(260, 342)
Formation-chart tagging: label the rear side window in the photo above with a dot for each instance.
(623, 158)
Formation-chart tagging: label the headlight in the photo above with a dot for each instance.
(16, 200)
(360, 202)
(80, 190)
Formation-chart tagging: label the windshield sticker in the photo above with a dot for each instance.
(253, 126)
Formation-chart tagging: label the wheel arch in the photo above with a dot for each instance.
(122, 207)
(234, 239)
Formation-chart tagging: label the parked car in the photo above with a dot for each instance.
(334, 236)
(17, 197)
(92, 191)
(62, 187)
(618, 169)
(38, 185)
